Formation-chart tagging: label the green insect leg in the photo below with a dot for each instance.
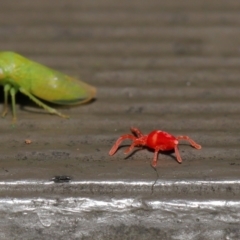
(7, 87)
(41, 104)
(13, 94)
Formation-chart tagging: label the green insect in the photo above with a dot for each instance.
(18, 73)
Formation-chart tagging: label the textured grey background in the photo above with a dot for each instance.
(171, 65)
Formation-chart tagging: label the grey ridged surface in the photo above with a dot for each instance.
(169, 65)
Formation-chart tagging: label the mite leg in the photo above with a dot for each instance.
(193, 144)
(118, 142)
(41, 104)
(155, 157)
(179, 159)
(136, 143)
(137, 132)
(7, 88)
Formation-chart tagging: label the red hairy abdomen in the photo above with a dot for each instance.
(161, 139)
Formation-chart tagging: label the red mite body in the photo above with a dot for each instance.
(160, 138)
(157, 140)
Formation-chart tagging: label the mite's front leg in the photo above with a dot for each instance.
(136, 143)
(118, 142)
(137, 132)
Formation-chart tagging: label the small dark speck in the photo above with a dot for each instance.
(61, 179)
(232, 163)
(98, 149)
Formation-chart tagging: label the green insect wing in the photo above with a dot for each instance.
(48, 84)
(18, 73)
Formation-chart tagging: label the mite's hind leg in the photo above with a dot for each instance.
(193, 144)
(179, 159)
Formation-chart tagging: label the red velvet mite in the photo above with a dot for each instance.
(157, 140)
